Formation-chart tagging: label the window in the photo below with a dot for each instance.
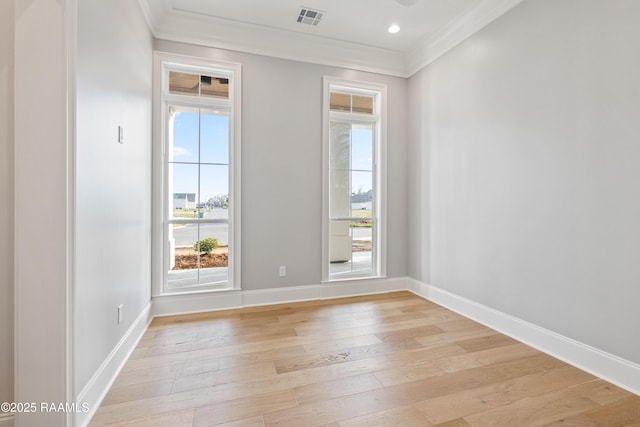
(354, 180)
(200, 126)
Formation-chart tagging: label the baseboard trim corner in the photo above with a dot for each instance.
(102, 380)
(611, 368)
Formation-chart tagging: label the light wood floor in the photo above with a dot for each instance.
(384, 360)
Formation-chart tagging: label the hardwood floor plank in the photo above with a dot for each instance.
(311, 361)
(138, 391)
(420, 356)
(334, 410)
(484, 343)
(453, 337)
(408, 333)
(600, 391)
(222, 376)
(579, 420)
(418, 307)
(331, 372)
(446, 359)
(405, 416)
(243, 408)
(534, 411)
(486, 357)
(364, 328)
(202, 366)
(153, 374)
(173, 419)
(342, 344)
(338, 387)
(247, 422)
(384, 348)
(323, 314)
(133, 410)
(467, 402)
(623, 412)
(221, 340)
(245, 359)
(216, 352)
(460, 422)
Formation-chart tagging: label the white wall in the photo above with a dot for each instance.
(6, 206)
(282, 166)
(113, 180)
(528, 153)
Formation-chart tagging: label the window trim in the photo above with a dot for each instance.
(380, 180)
(163, 62)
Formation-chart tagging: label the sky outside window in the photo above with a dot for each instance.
(201, 135)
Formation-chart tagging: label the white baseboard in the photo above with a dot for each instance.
(169, 305)
(100, 383)
(6, 420)
(609, 367)
(224, 300)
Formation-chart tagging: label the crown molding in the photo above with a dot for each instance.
(186, 27)
(456, 32)
(170, 24)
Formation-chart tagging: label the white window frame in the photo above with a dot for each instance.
(379, 119)
(163, 63)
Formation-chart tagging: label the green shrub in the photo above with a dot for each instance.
(206, 245)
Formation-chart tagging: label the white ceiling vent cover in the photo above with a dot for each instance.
(309, 16)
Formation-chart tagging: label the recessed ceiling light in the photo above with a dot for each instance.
(394, 29)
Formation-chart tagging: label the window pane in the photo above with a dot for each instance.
(351, 249)
(183, 258)
(198, 85)
(198, 255)
(362, 148)
(362, 247)
(340, 242)
(339, 194)
(183, 131)
(340, 145)
(216, 87)
(214, 137)
(361, 194)
(339, 101)
(183, 83)
(362, 104)
(214, 186)
(214, 253)
(183, 182)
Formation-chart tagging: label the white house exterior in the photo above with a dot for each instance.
(184, 200)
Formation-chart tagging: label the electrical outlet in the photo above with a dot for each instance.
(283, 270)
(119, 314)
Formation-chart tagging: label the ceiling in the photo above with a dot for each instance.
(351, 33)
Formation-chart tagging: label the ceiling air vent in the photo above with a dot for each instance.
(309, 16)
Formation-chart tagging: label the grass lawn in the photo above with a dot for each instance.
(365, 215)
(361, 213)
(187, 213)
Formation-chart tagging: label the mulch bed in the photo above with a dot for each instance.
(187, 259)
(361, 246)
